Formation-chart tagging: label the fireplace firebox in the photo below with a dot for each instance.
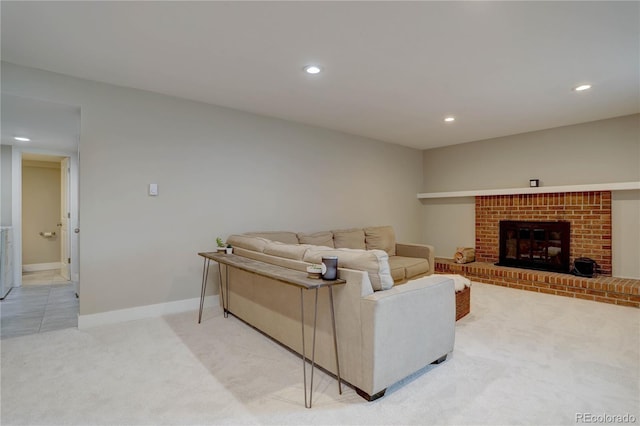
(535, 245)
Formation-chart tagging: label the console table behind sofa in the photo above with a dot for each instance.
(286, 276)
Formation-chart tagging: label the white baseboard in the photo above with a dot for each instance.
(141, 312)
(34, 267)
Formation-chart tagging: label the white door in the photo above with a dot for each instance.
(63, 225)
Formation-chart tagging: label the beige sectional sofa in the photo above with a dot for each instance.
(385, 331)
(406, 261)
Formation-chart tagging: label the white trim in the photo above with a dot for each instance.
(16, 214)
(616, 186)
(33, 267)
(74, 209)
(148, 311)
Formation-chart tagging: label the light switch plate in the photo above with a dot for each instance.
(153, 189)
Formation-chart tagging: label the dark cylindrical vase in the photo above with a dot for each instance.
(331, 264)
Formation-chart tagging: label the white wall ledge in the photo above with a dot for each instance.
(616, 186)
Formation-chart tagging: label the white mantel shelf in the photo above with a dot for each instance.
(616, 186)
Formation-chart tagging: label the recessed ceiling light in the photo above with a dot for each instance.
(449, 119)
(312, 69)
(21, 139)
(582, 87)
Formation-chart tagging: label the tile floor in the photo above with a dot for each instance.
(45, 302)
(43, 278)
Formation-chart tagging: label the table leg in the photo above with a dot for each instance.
(225, 303)
(226, 284)
(335, 338)
(205, 275)
(304, 359)
(313, 348)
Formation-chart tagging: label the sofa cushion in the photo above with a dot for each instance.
(374, 262)
(380, 238)
(282, 236)
(413, 266)
(273, 260)
(398, 272)
(317, 239)
(288, 251)
(248, 242)
(349, 238)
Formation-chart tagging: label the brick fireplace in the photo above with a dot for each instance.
(589, 214)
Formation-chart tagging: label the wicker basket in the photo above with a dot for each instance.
(463, 303)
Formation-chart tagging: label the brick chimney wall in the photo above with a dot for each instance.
(588, 212)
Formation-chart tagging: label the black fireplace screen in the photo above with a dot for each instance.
(535, 245)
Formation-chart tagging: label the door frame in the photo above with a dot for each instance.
(16, 210)
(65, 218)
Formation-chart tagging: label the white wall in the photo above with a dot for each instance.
(219, 171)
(597, 152)
(449, 223)
(625, 217)
(5, 184)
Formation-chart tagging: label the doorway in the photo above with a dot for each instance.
(45, 217)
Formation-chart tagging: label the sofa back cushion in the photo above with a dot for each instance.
(317, 239)
(374, 262)
(282, 236)
(288, 251)
(349, 238)
(248, 242)
(380, 238)
(274, 260)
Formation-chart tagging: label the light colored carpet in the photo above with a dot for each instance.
(520, 358)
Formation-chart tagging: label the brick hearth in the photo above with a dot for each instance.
(618, 291)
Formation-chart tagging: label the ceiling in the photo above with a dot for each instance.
(392, 70)
(50, 126)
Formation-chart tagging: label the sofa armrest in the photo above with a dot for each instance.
(405, 329)
(423, 251)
